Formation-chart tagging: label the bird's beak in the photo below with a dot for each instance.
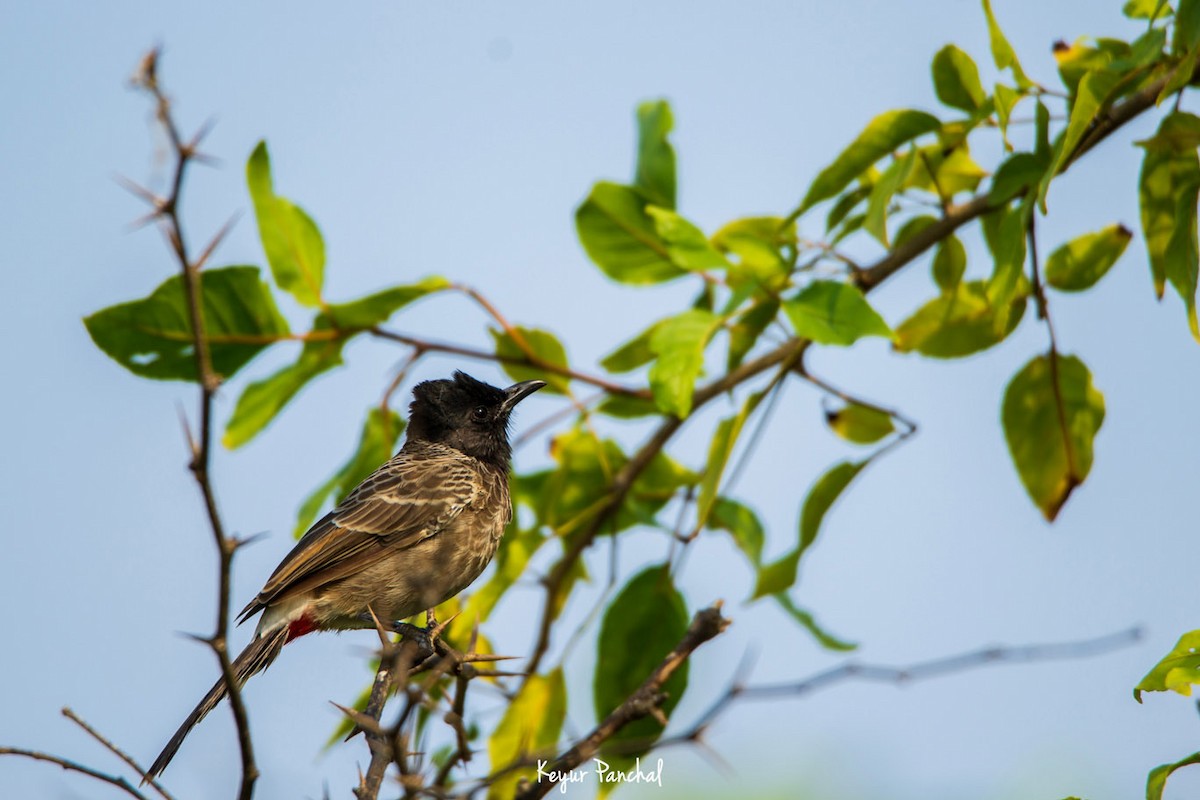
(518, 392)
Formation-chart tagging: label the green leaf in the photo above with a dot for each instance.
(1002, 51)
(956, 79)
(679, 343)
(719, 451)
(655, 174)
(291, 240)
(1093, 90)
(1143, 9)
(884, 134)
(1156, 781)
(152, 337)
(830, 312)
(844, 205)
(1017, 174)
(949, 263)
(619, 236)
(779, 575)
(742, 524)
(262, 400)
(530, 726)
(892, 179)
(641, 626)
(633, 354)
(957, 323)
(806, 620)
(1178, 670)
(625, 407)
(376, 444)
(544, 347)
(860, 424)
(1008, 276)
(757, 244)
(747, 327)
(1187, 26)
(1038, 427)
(1078, 264)
(1170, 182)
(375, 309)
(687, 245)
(1006, 99)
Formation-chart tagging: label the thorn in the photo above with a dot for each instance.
(495, 673)
(659, 716)
(201, 133)
(216, 240)
(474, 657)
(364, 722)
(441, 626)
(142, 193)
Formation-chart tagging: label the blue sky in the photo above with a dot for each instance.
(457, 139)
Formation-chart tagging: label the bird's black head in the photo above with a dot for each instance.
(469, 415)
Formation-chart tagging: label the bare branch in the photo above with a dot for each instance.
(72, 766)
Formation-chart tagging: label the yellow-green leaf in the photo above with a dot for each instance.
(880, 199)
(1051, 415)
(949, 263)
(1078, 264)
(678, 344)
(543, 346)
(860, 424)
(687, 246)
(291, 240)
(831, 312)
(956, 79)
(958, 323)
(530, 727)
(1178, 670)
(1002, 51)
(884, 134)
(655, 171)
(1156, 781)
(619, 236)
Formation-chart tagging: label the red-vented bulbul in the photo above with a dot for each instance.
(415, 533)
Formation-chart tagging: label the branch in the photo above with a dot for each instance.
(166, 210)
(645, 701)
(118, 752)
(72, 766)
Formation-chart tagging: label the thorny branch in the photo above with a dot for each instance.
(166, 212)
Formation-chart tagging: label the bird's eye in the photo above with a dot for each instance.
(480, 413)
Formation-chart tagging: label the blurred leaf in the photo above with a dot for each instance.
(1094, 88)
(655, 174)
(687, 246)
(779, 575)
(374, 309)
(956, 79)
(860, 424)
(747, 327)
(679, 343)
(641, 626)
(1187, 26)
(1006, 100)
(757, 244)
(830, 312)
(845, 204)
(1178, 670)
(1016, 174)
(625, 407)
(881, 196)
(911, 228)
(807, 621)
(1156, 781)
(958, 172)
(376, 444)
(1002, 51)
(1144, 9)
(619, 236)
(742, 524)
(545, 347)
(152, 337)
(1008, 276)
(633, 354)
(1170, 181)
(957, 323)
(291, 240)
(949, 263)
(884, 134)
(262, 400)
(531, 725)
(1078, 264)
(1034, 428)
(720, 449)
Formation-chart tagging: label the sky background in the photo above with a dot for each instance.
(457, 139)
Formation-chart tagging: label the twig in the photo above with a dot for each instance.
(645, 701)
(112, 748)
(72, 766)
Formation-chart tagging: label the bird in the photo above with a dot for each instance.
(413, 534)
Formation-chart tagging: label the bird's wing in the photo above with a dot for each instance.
(408, 499)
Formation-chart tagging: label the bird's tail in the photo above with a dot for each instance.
(257, 656)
